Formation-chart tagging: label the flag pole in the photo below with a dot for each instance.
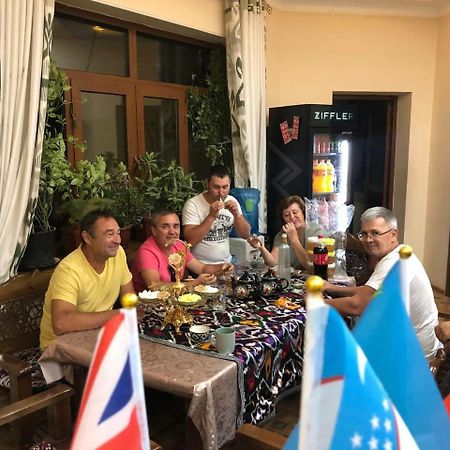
(405, 253)
(129, 302)
(314, 299)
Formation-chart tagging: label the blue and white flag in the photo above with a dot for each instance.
(112, 414)
(343, 404)
(387, 336)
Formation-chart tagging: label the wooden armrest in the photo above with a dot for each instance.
(155, 446)
(34, 403)
(252, 437)
(15, 366)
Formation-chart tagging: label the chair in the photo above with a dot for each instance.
(57, 402)
(440, 367)
(21, 301)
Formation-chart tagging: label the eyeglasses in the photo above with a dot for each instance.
(374, 234)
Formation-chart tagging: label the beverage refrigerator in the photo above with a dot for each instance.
(308, 154)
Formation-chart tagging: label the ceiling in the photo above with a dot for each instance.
(424, 8)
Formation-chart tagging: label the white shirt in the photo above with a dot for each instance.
(423, 310)
(215, 246)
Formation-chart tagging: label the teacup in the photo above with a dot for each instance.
(199, 333)
(224, 339)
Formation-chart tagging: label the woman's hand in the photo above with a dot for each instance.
(254, 242)
(291, 231)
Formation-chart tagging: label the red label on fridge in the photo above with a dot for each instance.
(285, 132)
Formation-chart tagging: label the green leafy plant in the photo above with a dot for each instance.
(130, 204)
(209, 112)
(56, 171)
(164, 185)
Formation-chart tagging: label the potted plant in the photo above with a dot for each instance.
(208, 111)
(129, 205)
(54, 176)
(89, 189)
(164, 185)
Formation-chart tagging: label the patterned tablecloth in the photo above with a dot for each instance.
(269, 346)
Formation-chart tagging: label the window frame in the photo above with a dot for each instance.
(133, 88)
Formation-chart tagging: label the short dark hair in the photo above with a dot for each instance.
(288, 201)
(161, 212)
(220, 171)
(88, 221)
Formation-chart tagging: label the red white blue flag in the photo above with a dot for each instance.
(344, 405)
(112, 413)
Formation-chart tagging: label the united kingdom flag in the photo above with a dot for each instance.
(112, 413)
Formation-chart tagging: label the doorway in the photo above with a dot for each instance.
(373, 154)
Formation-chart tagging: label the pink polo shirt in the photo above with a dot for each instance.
(150, 256)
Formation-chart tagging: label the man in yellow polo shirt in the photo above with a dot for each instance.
(88, 281)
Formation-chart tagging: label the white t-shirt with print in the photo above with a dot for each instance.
(215, 247)
(423, 310)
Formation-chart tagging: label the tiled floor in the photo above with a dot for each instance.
(166, 413)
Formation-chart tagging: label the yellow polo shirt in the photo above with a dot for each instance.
(75, 281)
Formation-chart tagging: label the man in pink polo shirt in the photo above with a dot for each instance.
(151, 264)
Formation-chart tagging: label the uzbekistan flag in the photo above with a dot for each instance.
(343, 403)
(112, 413)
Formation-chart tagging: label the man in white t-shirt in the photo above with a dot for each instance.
(209, 217)
(379, 236)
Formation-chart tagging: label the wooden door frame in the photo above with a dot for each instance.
(100, 84)
(391, 130)
(169, 92)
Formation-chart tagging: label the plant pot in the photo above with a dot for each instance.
(40, 251)
(125, 236)
(71, 237)
(138, 232)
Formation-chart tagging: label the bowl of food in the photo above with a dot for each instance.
(206, 290)
(147, 296)
(189, 299)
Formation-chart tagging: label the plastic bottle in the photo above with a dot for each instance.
(320, 259)
(316, 185)
(322, 209)
(284, 259)
(330, 176)
(321, 176)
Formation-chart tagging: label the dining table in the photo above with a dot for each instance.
(224, 390)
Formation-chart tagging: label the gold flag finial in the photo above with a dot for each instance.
(129, 300)
(314, 285)
(405, 251)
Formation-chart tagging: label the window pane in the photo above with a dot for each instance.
(161, 127)
(170, 61)
(89, 46)
(104, 127)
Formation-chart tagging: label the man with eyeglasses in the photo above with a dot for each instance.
(379, 236)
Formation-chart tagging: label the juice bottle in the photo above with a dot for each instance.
(315, 176)
(322, 169)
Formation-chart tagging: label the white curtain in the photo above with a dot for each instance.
(246, 69)
(25, 40)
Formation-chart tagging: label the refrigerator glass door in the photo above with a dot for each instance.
(331, 158)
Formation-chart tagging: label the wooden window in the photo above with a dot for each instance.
(129, 86)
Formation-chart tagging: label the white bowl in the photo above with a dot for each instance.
(206, 289)
(149, 295)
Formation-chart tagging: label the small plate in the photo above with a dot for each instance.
(149, 295)
(206, 289)
(189, 299)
